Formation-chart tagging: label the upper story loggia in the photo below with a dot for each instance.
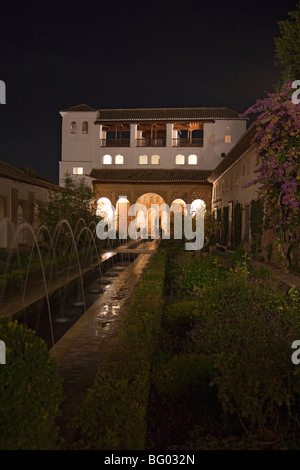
(142, 138)
(163, 127)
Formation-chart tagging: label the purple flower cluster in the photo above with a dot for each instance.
(277, 142)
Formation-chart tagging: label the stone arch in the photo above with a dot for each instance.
(104, 207)
(203, 195)
(198, 204)
(179, 195)
(151, 198)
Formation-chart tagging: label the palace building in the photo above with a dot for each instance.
(148, 155)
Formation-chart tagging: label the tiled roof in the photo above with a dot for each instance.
(12, 173)
(243, 144)
(79, 108)
(149, 175)
(165, 114)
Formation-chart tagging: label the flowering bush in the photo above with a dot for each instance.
(277, 145)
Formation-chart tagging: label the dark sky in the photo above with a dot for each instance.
(126, 54)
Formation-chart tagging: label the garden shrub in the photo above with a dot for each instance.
(30, 391)
(179, 317)
(224, 361)
(186, 374)
(248, 330)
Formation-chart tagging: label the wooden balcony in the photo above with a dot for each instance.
(114, 142)
(157, 142)
(187, 142)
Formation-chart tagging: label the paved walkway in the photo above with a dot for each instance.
(86, 344)
(289, 278)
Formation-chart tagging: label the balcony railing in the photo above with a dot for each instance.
(187, 142)
(114, 142)
(157, 142)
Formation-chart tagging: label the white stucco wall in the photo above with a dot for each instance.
(77, 149)
(12, 194)
(84, 151)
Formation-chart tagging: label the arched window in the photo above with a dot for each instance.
(119, 160)
(155, 160)
(107, 160)
(143, 159)
(192, 160)
(179, 160)
(73, 127)
(85, 127)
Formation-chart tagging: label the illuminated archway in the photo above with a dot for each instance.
(178, 205)
(198, 205)
(123, 220)
(104, 207)
(149, 199)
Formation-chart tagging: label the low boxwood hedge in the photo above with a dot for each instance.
(30, 391)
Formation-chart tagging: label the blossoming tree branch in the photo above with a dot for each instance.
(277, 142)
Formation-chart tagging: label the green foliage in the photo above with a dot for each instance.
(180, 316)
(113, 414)
(225, 370)
(262, 273)
(71, 202)
(197, 273)
(33, 173)
(211, 227)
(248, 330)
(186, 374)
(287, 46)
(30, 391)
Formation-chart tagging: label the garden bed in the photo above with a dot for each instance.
(222, 376)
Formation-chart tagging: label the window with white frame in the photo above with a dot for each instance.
(155, 160)
(192, 160)
(119, 160)
(107, 160)
(179, 160)
(143, 160)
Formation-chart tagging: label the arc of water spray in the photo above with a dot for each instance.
(42, 227)
(95, 246)
(28, 226)
(58, 228)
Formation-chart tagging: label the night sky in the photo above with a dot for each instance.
(127, 54)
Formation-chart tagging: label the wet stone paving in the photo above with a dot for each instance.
(86, 344)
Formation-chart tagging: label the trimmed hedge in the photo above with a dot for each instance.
(30, 391)
(113, 415)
